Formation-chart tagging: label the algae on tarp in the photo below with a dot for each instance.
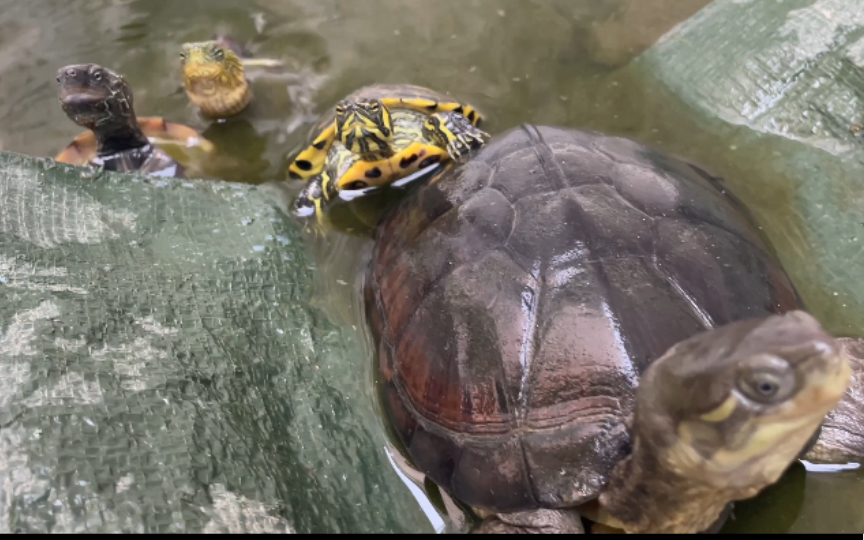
(161, 369)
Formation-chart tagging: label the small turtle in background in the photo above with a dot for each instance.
(215, 77)
(96, 98)
(380, 135)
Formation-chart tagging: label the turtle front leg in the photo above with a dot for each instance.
(540, 521)
(313, 199)
(842, 438)
(454, 132)
(310, 200)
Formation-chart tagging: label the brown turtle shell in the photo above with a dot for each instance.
(517, 300)
(82, 149)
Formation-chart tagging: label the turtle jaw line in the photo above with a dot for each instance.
(216, 88)
(90, 121)
(769, 441)
(85, 105)
(195, 72)
(202, 87)
(744, 470)
(83, 96)
(213, 79)
(89, 112)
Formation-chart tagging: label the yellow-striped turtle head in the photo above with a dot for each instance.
(214, 78)
(365, 127)
(733, 407)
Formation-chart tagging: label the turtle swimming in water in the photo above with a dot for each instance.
(100, 100)
(215, 78)
(382, 134)
(574, 325)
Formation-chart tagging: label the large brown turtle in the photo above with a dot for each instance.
(97, 98)
(519, 301)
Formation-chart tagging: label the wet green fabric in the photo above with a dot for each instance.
(783, 84)
(161, 371)
(774, 92)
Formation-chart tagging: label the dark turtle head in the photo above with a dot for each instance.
(733, 407)
(364, 127)
(93, 96)
(96, 98)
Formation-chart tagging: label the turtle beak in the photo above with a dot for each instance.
(71, 77)
(195, 55)
(70, 73)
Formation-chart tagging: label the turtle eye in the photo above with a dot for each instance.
(766, 383)
(763, 385)
(340, 109)
(97, 75)
(218, 54)
(374, 106)
(182, 56)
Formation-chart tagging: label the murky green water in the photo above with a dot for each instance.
(544, 61)
(517, 60)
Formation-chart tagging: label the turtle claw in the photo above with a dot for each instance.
(310, 200)
(305, 206)
(455, 133)
(468, 139)
(465, 144)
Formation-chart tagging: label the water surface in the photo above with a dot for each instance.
(546, 61)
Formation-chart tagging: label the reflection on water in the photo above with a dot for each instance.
(549, 61)
(487, 52)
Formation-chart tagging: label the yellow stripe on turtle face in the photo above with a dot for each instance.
(365, 128)
(356, 139)
(722, 412)
(428, 106)
(325, 185)
(319, 210)
(440, 131)
(310, 161)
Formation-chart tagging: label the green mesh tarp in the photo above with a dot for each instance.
(782, 85)
(773, 94)
(161, 369)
